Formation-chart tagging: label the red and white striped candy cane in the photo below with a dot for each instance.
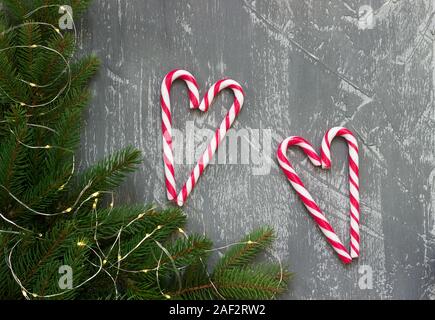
(217, 138)
(168, 156)
(353, 179)
(325, 162)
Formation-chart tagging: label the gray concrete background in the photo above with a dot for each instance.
(305, 66)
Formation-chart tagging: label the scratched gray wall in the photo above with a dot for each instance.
(305, 66)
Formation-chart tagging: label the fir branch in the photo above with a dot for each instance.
(57, 237)
(245, 252)
(111, 221)
(83, 70)
(14, 160)
(52, 63)
(240, 282)
(183, 252)
(11, 89)
(16, 8)
(107, 174)
(44, 192)
(28, 35)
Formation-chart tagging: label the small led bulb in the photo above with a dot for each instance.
(81, 243)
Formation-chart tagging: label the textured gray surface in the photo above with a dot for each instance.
(305, 67)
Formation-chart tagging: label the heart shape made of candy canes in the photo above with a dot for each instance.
(324, 160)
(204, 160)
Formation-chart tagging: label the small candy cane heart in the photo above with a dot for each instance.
(324, 161)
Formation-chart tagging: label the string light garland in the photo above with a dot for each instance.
(35, 46)
(65, 88)
(47, 146)
(70, 175)
(37, 24)
(158, 279)
(26, 293)
(67, 210)
(39, 235)
(166, 252)
(117, 266)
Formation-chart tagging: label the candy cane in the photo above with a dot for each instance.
(205, 158)
(168, 156)
(325, 162)
(353, 179)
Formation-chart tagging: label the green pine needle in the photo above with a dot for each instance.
(249, 247)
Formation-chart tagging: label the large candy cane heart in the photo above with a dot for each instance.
(204, 160)
(324, 160)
